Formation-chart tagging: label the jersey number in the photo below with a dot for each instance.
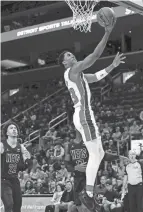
(73, 96)
(72, 93)
(78, 162)
(12, 168)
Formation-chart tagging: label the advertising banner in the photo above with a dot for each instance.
(32, 204)
(53, 26)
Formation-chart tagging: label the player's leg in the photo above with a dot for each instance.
(107, 156)
(96, 129)
(90, 139)
(79, 185)
(17, 196)
(92, 166)
(6, 195)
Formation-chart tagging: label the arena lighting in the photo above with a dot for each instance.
(54, 25)
(11, 64)
(13, 91)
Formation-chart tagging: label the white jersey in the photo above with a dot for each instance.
(79, 90)
(83, 117)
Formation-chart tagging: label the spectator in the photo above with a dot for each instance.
(58, 151)
(112, 146)
(50, 154)
(106, 137)
(44, 165)
(51, 174)
(134, 129)
(125, 135)
(119, 113)
(41, 174)
(14, 111)
(117, 135)
(46, 142)
(56, 198)
(38, 186)
(106, 129)
(131, 115)
(29, 189)
(116, 187)
(109, 195)
(110, 172)
(35, 163)
(58, 194)
(62, 174)
(101, 188)
(120, 170)
(36, 173)
(25, 177)
(45, 186)
(51, 133)
(52, 187)
(67, 199)
(124, 143)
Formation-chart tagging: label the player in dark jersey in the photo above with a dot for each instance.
(14, 158)
(76, 155)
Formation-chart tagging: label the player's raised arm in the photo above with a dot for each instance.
(103, 73)
(91, 59)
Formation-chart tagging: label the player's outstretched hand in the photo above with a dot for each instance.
(81, 167)
(111, 26)
(118, 59)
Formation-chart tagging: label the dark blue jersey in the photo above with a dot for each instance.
(78, 154)
(11, 160)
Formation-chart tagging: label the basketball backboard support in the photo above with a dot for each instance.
(133, 5)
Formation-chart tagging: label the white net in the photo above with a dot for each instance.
(82, 13)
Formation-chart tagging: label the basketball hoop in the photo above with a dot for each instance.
(82, 14)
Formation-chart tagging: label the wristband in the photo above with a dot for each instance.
(101, 74)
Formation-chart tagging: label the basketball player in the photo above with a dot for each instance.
(76, 155)
(77, 84)
(14, 158)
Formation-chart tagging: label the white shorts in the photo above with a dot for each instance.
(85, 123)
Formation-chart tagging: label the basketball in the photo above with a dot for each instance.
(105, 16)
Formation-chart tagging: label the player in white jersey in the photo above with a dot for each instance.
(84, 121)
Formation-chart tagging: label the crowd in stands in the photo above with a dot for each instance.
(14, 7)
(117, 124)
(113, 115)
(119, 119)
(28, 96)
